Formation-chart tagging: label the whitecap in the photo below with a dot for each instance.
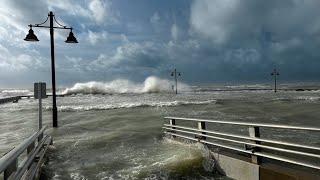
(151, 84)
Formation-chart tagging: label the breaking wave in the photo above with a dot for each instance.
(14, 92)
(75, 108)
(152, 84)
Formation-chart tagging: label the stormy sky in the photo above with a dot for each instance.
(226, 41)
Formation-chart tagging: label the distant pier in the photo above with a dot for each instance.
(15, 99)
(10, 99)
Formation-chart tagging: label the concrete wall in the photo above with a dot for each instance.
(274, 172)
(240, 168)
(236, 168)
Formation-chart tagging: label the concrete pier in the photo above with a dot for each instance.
(16, 99)
(10, 99)
(240, 167)
(251, 157)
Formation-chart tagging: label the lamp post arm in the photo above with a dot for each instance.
(54, 27)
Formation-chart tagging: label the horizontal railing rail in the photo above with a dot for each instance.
(248, 124)
(246, 137)
(252, 144)
(29, 160)
(9, 164)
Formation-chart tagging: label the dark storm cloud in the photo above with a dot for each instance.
(208, 40)
(253, 36)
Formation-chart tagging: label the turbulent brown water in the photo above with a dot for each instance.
(118, 135)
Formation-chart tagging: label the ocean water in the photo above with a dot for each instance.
(112, 130)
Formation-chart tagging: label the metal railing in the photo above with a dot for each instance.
(253, 145)
(36, 146)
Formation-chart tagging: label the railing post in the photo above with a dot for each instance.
(254, 132)
(202, 126)
(10, 169)
(40, 114)
(30, 148)
(172, 123)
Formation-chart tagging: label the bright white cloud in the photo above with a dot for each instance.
(131, 55)
(98, 10)
(70, 7)
(99, 38)
(21, 62)
(94, 37)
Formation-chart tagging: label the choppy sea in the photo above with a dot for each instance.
(112, 130)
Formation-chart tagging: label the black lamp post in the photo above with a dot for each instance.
(275, 73)
(70, 39)
(175, 74)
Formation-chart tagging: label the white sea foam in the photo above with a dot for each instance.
(300, 98)
(14, 92)
(152, 84)
(247, 86)
(308, 98)
(70, 108)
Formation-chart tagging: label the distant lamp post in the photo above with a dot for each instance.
(275, 73)
(70, 39)
(175, 74)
